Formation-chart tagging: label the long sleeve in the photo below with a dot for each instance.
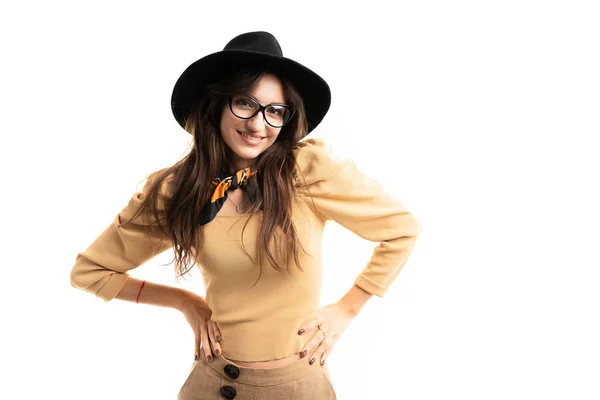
(336, 190)
(102, 268)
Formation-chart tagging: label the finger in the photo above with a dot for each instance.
(328, 346)
(213, 330)
(311, 325)
(319, 319)
(197, 342)
(211, 333)
(206, 343)
(320, 350)
(218, 335)
(312, 344)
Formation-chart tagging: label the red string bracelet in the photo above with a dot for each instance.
(138, 296)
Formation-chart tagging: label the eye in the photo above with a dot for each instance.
(243, 102)
(275, 110)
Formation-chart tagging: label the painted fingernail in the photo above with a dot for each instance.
(301, 331)
(217, 352)
(312, 360)
(303, 353)
(322, 362)
(209, 358)
(195, 357)
(218, 338)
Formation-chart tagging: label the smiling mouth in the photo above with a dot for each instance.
(251, 138)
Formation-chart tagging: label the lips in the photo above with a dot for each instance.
(252, 136)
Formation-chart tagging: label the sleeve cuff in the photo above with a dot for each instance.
(112, 288)
(369, 286)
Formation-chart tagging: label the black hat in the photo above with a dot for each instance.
(257, 49)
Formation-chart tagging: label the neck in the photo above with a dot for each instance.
(234, 169)
(236, 162)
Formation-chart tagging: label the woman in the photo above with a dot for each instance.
(248, 205)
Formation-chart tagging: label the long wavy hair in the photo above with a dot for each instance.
(190, 179)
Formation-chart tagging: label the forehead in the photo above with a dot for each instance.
(269, 90)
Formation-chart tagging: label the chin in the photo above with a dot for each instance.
(246, 153)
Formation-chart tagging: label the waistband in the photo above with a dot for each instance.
(261, 376)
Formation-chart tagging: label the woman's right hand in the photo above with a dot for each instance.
(206, 332)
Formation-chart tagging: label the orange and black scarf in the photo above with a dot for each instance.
(223, 184)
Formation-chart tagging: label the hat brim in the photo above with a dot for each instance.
(190, 86)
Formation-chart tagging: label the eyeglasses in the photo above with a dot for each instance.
(246, 107)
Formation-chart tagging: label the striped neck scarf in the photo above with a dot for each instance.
(223, 184)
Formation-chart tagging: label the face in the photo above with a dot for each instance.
(269, 90)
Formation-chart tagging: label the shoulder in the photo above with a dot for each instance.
(315, 161)
(162, 178)
(161, 183)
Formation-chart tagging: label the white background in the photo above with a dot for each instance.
(482, 117)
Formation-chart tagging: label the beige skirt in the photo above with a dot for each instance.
(224, 379)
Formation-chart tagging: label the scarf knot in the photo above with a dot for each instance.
(222, 184)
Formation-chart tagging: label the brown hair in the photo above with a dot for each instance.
(190, 178)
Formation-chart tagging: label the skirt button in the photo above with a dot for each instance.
(228, 392)
(232, 371)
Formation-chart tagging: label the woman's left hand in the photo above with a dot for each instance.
(332, 321)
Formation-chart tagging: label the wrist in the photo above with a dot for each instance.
(354, 300)
(185, 298)
(181, 299)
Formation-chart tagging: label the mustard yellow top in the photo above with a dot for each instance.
(261, 322)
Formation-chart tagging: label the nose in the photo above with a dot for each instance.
(256, 123)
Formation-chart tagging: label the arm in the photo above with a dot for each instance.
(153, 294)
(337, 190)
(354, 300)
(102, 268)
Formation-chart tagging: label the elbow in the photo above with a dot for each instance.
(86, 275)
(77, 277)
(95, 279)
(418, 227)
(410, 226)
(73, 279)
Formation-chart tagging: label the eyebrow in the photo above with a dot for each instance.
(268, 104)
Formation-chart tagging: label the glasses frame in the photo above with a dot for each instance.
(262, 109)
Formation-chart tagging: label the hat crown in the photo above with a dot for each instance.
(260, 42)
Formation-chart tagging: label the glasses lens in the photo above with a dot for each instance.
(277, 115)
(243, 106)
(246, 107)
